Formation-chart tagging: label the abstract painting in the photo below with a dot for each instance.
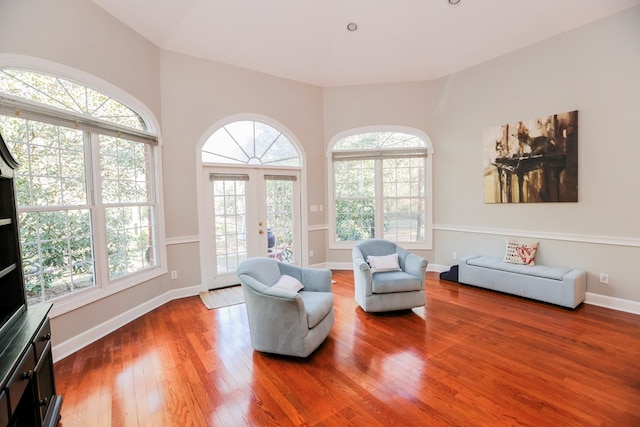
(532, 161)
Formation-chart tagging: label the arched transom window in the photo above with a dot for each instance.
(250, 142)
(73, 97)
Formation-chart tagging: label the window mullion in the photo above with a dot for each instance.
(379, 200)
(98, 221)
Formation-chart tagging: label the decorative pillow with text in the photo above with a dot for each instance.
(519, 252)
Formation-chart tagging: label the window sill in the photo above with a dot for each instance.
(82, 298)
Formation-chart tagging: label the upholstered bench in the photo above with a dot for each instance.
(555, 285)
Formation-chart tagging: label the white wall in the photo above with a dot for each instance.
(78, 34)
(593, 69)
(403, 104)
(196, 94)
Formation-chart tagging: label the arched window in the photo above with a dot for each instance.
(381, 181)
(86, 191)
(59, 93)
(250, 142)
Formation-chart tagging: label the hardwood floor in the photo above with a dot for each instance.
(470, 357)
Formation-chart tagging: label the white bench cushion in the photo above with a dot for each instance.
(544, 271)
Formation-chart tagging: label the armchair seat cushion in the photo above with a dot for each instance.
(317, 306)
(394, 281)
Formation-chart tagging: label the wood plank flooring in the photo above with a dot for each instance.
(470, 357)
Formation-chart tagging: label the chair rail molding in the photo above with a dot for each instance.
(182, 240)
(567, 237)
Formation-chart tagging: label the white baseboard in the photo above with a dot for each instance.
(613, 303)
(438, 268)
(338, 265)
(64, 349)
(319, 265)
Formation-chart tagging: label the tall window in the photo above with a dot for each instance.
(85, 187)
(380, 182)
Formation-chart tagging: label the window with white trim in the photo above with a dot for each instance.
(380, 188)
(85, 188)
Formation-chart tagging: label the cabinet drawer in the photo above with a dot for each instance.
(20, 379)
(4, 409)
(42, 338)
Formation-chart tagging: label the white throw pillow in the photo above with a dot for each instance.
(289, 283)
(383, 263)
(519, 252)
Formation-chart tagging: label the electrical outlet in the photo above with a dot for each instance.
(604, 277)
(310, 254)
(454, 255)
(174, 274)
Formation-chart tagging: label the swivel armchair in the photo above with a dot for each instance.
(387, 277)
(290, 308)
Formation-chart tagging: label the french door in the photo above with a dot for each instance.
(250, 212)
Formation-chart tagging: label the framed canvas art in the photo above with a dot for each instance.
(532, 161)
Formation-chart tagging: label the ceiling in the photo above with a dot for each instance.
(396, 40)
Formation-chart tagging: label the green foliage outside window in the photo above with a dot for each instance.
(379, 187)
(279, 195)
(54, 218)
(59, 196)
(355, 220)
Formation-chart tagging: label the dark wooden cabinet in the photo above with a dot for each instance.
(26, 366)
(27, 385)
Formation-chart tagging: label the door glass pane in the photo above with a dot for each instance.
(229, 208)
(280, 223)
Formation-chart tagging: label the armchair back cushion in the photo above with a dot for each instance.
(376, 247)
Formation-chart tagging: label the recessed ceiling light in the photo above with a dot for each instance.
(454, 2)
(352, 26)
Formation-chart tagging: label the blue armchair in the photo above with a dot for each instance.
(390, 287)
(283, 320)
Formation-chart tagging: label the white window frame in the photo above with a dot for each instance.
(427, 244)
(105, 288)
